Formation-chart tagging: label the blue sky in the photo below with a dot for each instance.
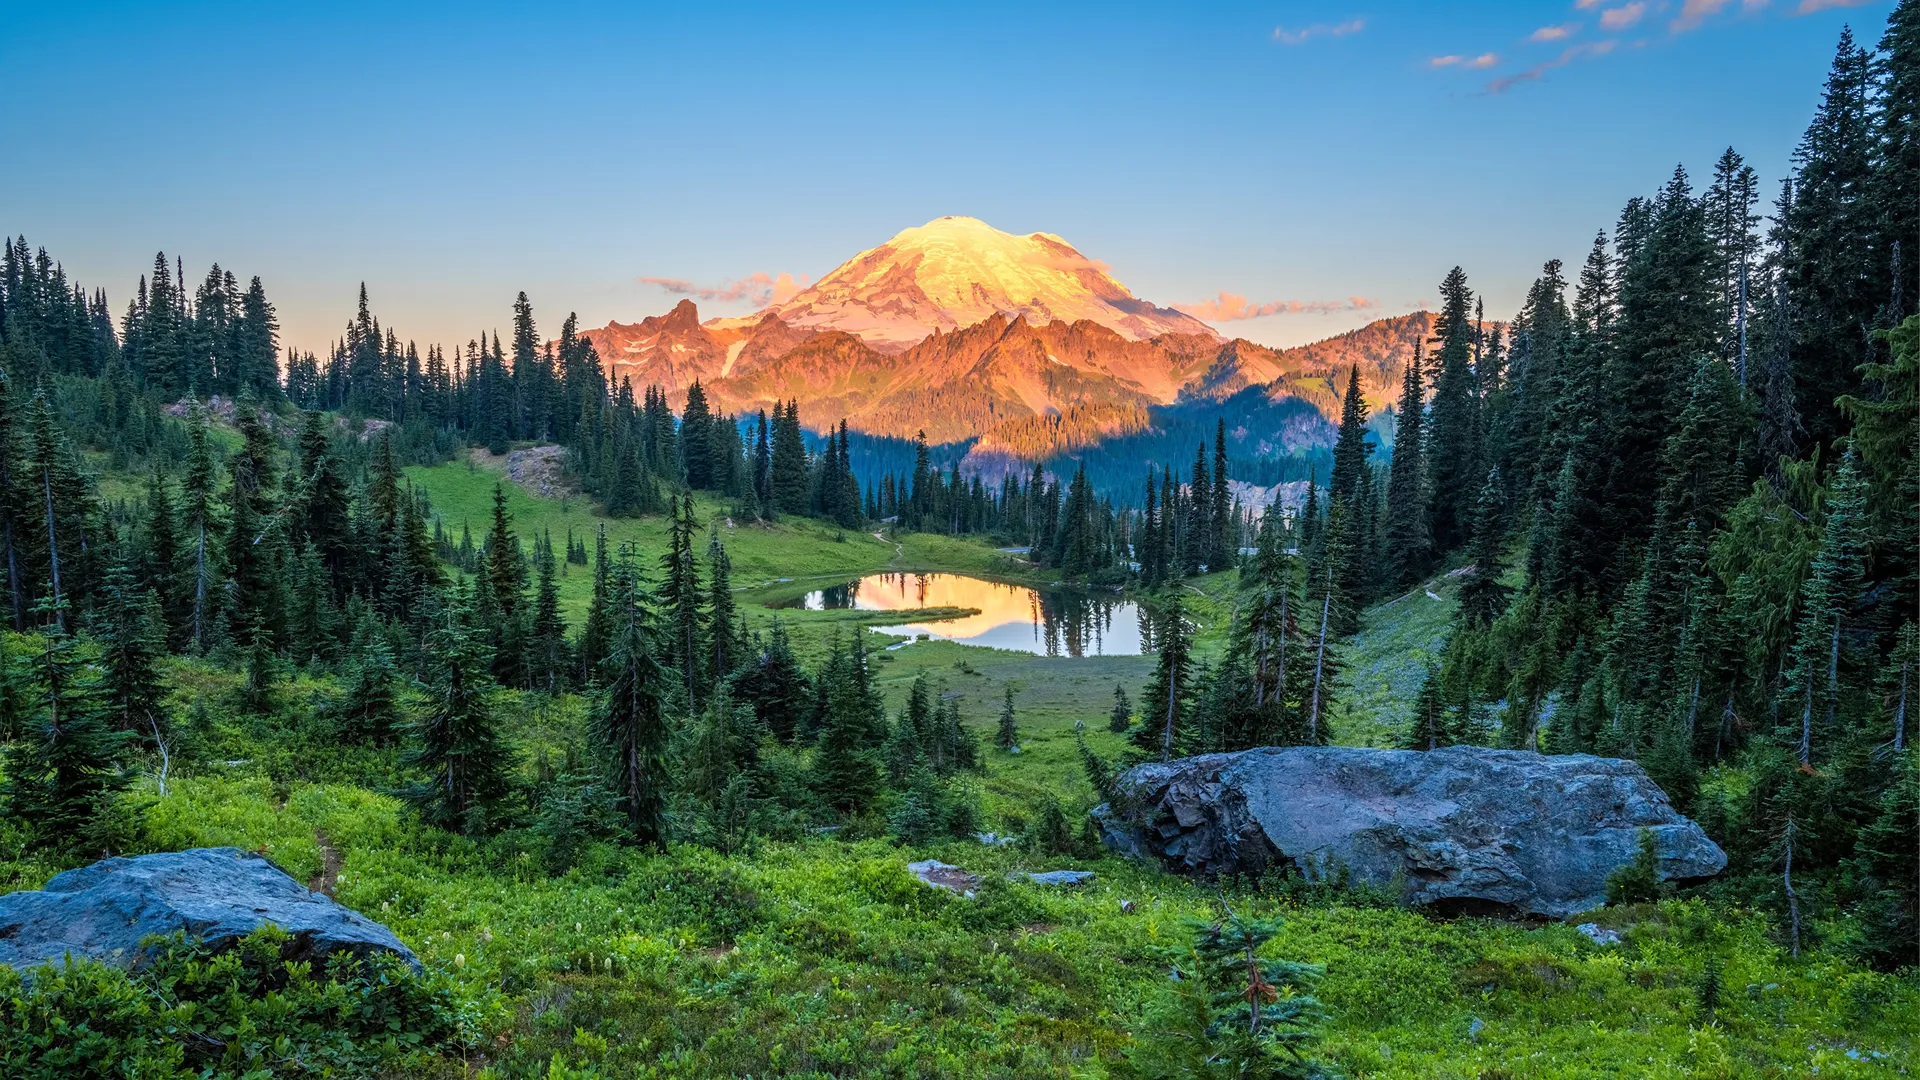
(451, 155)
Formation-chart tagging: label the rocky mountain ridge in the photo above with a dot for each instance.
(965, 332)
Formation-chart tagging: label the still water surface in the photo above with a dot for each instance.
(1045, 622)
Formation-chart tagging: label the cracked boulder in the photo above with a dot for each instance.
(1460, 830)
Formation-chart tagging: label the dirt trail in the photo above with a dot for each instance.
(330, 863)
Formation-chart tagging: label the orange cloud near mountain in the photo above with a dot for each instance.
(759, 287)
(1228, 307)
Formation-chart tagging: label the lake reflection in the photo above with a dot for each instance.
(1046, 622)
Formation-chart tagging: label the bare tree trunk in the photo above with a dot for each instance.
(1833, 675)
(1319, 666)
(1900, 711)
(1740, 326)
(1806, 731)
(165, 762)
(53, 550)
(1726, 726)
(1166, 732)
(1793, 900)
(13, 577)
(200, 585)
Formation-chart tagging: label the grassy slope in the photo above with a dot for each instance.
(825, 959)
(822, 956)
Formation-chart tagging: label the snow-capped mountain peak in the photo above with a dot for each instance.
(955, 272)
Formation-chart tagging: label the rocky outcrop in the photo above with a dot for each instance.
(1462, 829)
(103, 911)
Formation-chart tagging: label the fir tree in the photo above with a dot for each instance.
(71, 762)
(368, 711)
(845, 774)
(1163, 704)
(1482, 597)
(131, 633)
(774, 684)
(1223, 545)
(680, 597)
(788, 462)
(1452, 448)
(722, 614)
(1007, 735)
(1120, 718)
(1407, 537)
(458, 743)
(1232, 1013)
(547, 630)
(630, 718)
(1812, 691)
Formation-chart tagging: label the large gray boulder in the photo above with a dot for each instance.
(217, 894)
(1462, 829)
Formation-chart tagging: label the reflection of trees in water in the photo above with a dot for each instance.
(1074, 622)
(1064, 623)
(839, 597)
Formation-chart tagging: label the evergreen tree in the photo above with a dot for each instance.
(547, 629)
(680, 597)
(787, 463)
(1223, 543)
(1482, 597)
(1007, 735)
(1163, 704)
(368, 711)
(774, 684)
(131, 633)
(1229, 1012)
(1812, 691)
(60, 777)
(458, 743)
(630, 717)
(1407, 538)
(1120, 718)
(845, 775)
(1198, 528)
(323, 504)
(722, 634)
(1452, 448)
(197, 530)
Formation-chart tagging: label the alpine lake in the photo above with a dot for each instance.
(1041, 621)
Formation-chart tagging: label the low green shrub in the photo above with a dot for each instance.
(237, 1012)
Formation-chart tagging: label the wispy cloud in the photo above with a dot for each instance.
(1554, 33)
(1567, 56)
(758, 288)
(1473, 63)
(1695, 12)
(1229, 307)
(1300, 35)
(1624, 16)
(1808, 7)
(1583, 5)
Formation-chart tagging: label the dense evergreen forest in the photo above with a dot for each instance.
(1678, 491)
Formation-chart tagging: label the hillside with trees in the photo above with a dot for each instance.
(1668, 506)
